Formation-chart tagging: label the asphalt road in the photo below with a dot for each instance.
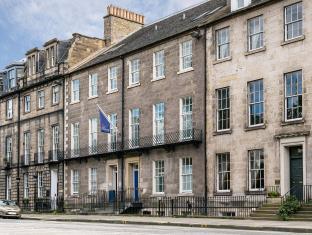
(27, 227)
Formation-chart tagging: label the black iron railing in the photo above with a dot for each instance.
(25, 160)
(181, 137)
(39, 158)
(43, 205)
(131, 202)
(56, 155)
(303, 193)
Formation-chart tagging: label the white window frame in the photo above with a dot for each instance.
(92, 182)
(40, 186)
(235, 6)
(160, 174)
(93, 138)
(112, 136)
(134, 142)
(184, 57)
(55, 94)
(26, 185)
(27, 140)
(40, 145)
(260, 156)
(9, 109)
(27, 103)
(134, 72)
(184, 174)
(93, 85)
(226, 44)
(55, 141)
(293, 22)
(159, 123)
(112, 79)
(75, 91)
(75, 181)
(8, 148)
(159, 65)
(223, 171)
(292, 96)
(185, 117)
(75, 137)
(8, 185)
(223, 109)
(12, 78)
(260, 33)
(41, 99)
(255, 102)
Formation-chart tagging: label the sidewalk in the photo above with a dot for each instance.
(282, 226)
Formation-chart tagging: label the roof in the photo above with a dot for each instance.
(165, 28)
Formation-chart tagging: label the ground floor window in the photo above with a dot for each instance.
(256, 170)
(75, 182)
(186, 176)
(224, 172)
(8, 187)
(159, 172)
(26, 186)
(92, 180)
(40, 185)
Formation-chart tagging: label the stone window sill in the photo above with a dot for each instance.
(298, 39)
(224, 193)
(253, 128)
(111, 92)
(226, 132)
(222, 60)
(255, 51)
(134, 85)
(92, 97)
(158, 79)
(75, 102)
(185, 71)
(294, 122)
(255, 192)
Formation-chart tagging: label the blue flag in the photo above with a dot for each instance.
(104, 123)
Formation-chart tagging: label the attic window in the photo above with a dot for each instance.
(156, 27)
(184, 16)
(238, 4)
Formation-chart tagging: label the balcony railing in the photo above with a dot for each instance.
(149, 142)
(7, 161)
(39, 158)
(56, 155)
(25, 160)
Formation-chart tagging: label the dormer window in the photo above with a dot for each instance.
(238, 4)
(31, 65)
(50, 53)
(12, 78)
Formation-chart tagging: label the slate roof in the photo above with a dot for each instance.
(166, 28)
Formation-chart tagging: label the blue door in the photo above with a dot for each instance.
(136, 184)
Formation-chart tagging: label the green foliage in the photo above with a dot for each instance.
(274, 194)
(289, 207)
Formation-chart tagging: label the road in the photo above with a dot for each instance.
(29, 227)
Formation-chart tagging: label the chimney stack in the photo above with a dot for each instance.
(119, 23)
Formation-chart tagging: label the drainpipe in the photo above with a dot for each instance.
(122, 123)
(205, 118)
(18, 145)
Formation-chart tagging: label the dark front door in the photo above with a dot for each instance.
(296, 171)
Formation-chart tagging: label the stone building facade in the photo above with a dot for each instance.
(32, 120)
(259, 92)
(153, 89)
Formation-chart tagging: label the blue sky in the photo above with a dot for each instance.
(25, 24)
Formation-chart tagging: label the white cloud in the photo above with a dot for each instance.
(46, 19)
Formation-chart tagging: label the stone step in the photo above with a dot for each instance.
(263, 215)
(260, 211)
(265, 218)
(305, 212)
(305, 209)
(299, 219)
(299, 215)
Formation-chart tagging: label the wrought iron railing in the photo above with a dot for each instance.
(25, 160)
(131, 202)
(156, 141)
(56, 155)
(39, 158)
